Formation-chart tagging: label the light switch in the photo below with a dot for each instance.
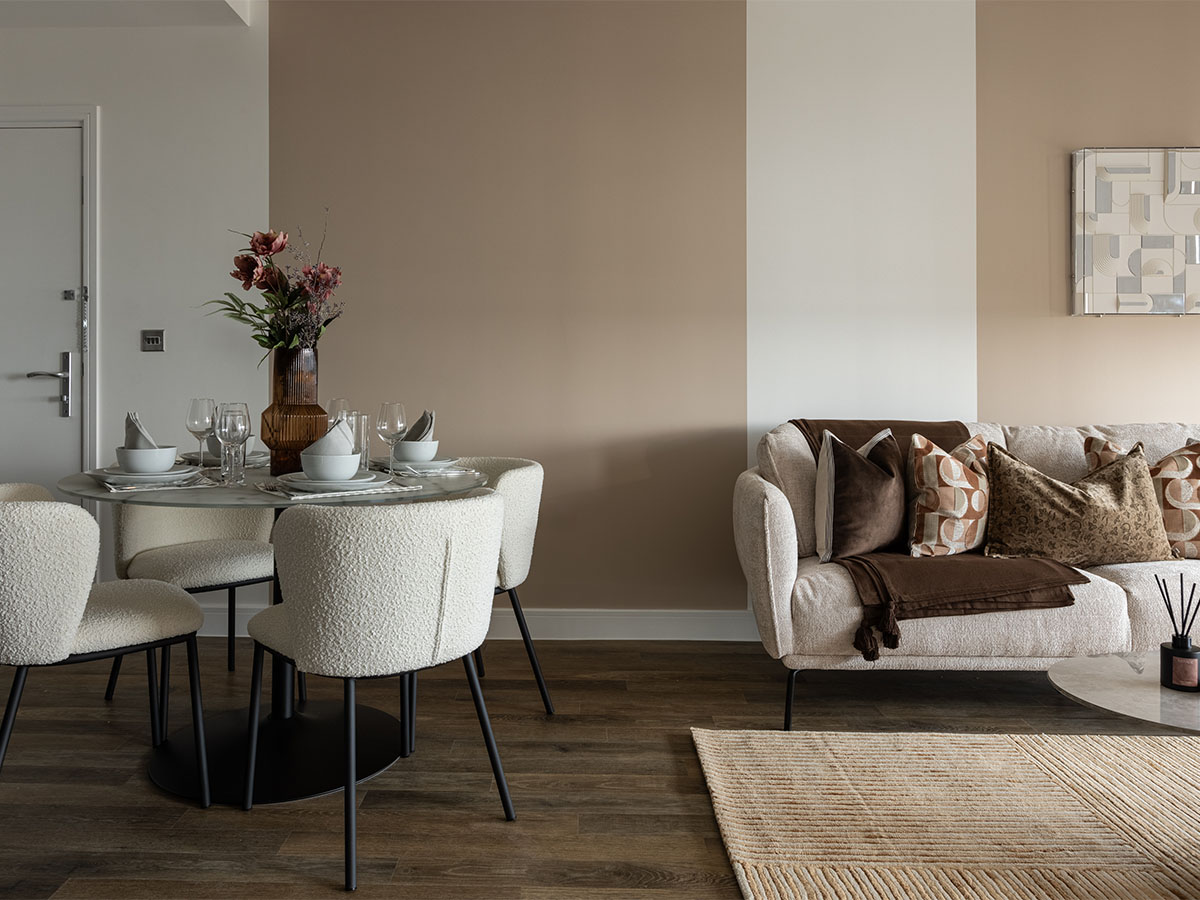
(152, 341)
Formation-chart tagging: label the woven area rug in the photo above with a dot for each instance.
(810, 815)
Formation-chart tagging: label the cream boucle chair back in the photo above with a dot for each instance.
(519, 482)
(383, 590)
(22, 491)
(48, 554)
(141, 528)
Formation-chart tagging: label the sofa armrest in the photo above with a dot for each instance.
(764, 532)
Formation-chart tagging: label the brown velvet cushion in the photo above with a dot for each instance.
(1108, 516)
(859, 496)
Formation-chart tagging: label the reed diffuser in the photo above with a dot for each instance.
(1179, 667)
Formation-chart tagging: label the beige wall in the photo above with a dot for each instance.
(540, 210)
(1055, 77)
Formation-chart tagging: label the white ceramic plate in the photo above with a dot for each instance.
(116, 475)
(301, 482)
(430, 465)
(254, 460)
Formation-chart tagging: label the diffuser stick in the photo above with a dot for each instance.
(1162, 590)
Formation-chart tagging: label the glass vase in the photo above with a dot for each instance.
(294, 419)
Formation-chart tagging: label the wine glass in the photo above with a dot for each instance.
(233, 430)
(391, 426)
(338, 408)
(200, 422)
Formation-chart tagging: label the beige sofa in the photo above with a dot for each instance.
(807, 612)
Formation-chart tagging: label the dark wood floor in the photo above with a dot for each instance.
(609, 796)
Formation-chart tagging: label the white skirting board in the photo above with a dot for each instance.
(573, 624)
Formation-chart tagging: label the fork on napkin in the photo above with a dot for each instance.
(281, 490)
(198, 481)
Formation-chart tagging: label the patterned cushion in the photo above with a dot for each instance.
(1176, 480)
(949, 507)
(1109, 516)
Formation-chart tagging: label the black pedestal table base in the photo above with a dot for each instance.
(298, 757)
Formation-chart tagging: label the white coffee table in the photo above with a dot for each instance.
(1126, 684)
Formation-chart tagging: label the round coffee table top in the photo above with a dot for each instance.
(1126, 684)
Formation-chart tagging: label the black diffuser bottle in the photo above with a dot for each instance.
(1179, 661)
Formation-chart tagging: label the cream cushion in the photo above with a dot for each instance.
(1057, 450)
(200, 563)
(382, 590)
(1149, 624)
(129, 612)
(824, 598)
(142, 528)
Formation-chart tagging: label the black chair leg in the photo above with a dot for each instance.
(10, 710)
(479, 660)
(198, 721)
(412, 714)
(405, 721)
(533, 660)
(791, 695)
(351, 781)
(164, 690)
(252, 726)
(231, 626)
(155, 699)
(112, 677)
(489, 739)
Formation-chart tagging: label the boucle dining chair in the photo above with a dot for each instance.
(199, 550)
(519, 482)
(19, 490)
(51, 614)
(371, 592)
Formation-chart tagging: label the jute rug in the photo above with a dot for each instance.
(930, 816)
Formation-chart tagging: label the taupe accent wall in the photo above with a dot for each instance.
(540, 211)
(1055, 77)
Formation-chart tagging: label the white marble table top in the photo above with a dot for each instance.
(1126, 684)
(432, 487)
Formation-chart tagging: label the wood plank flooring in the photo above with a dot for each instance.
(609, 796)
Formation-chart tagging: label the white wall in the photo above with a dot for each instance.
(183, 158)
(860, 210)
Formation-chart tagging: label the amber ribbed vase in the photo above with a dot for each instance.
(294, 419)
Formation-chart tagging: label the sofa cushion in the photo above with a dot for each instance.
(1108, 516)
(826, 612)
(859, 496)
(1176, 480)
(1057, 450)
(949, 491)
(1149, 624)
(786, 461)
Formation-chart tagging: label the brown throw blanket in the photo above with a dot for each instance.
(894, 586)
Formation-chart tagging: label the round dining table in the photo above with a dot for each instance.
(296, 741)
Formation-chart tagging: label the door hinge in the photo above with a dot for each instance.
(84, 319)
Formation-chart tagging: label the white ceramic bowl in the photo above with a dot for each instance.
(415, 451)
(146, 462)
(319, 467)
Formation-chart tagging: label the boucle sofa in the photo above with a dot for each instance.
(807, 612)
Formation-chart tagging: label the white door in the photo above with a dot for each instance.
(41, 291)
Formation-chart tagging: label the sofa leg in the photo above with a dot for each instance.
(791, 695)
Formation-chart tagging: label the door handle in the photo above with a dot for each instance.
(64, 382)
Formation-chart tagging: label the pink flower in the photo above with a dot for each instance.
(272, 280)
(268, 244)
(321, 281)
(248, 270)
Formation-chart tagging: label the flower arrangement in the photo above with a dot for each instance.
(298, 298)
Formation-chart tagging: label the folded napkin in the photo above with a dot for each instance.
(338, 441)
(422, 429)
(136, 435)
(281, 490)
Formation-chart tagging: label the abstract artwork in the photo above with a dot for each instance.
(1136, 231)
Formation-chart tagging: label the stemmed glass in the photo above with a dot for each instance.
(391, 426)
(338, 408)
(233, 430)
(200, 422)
